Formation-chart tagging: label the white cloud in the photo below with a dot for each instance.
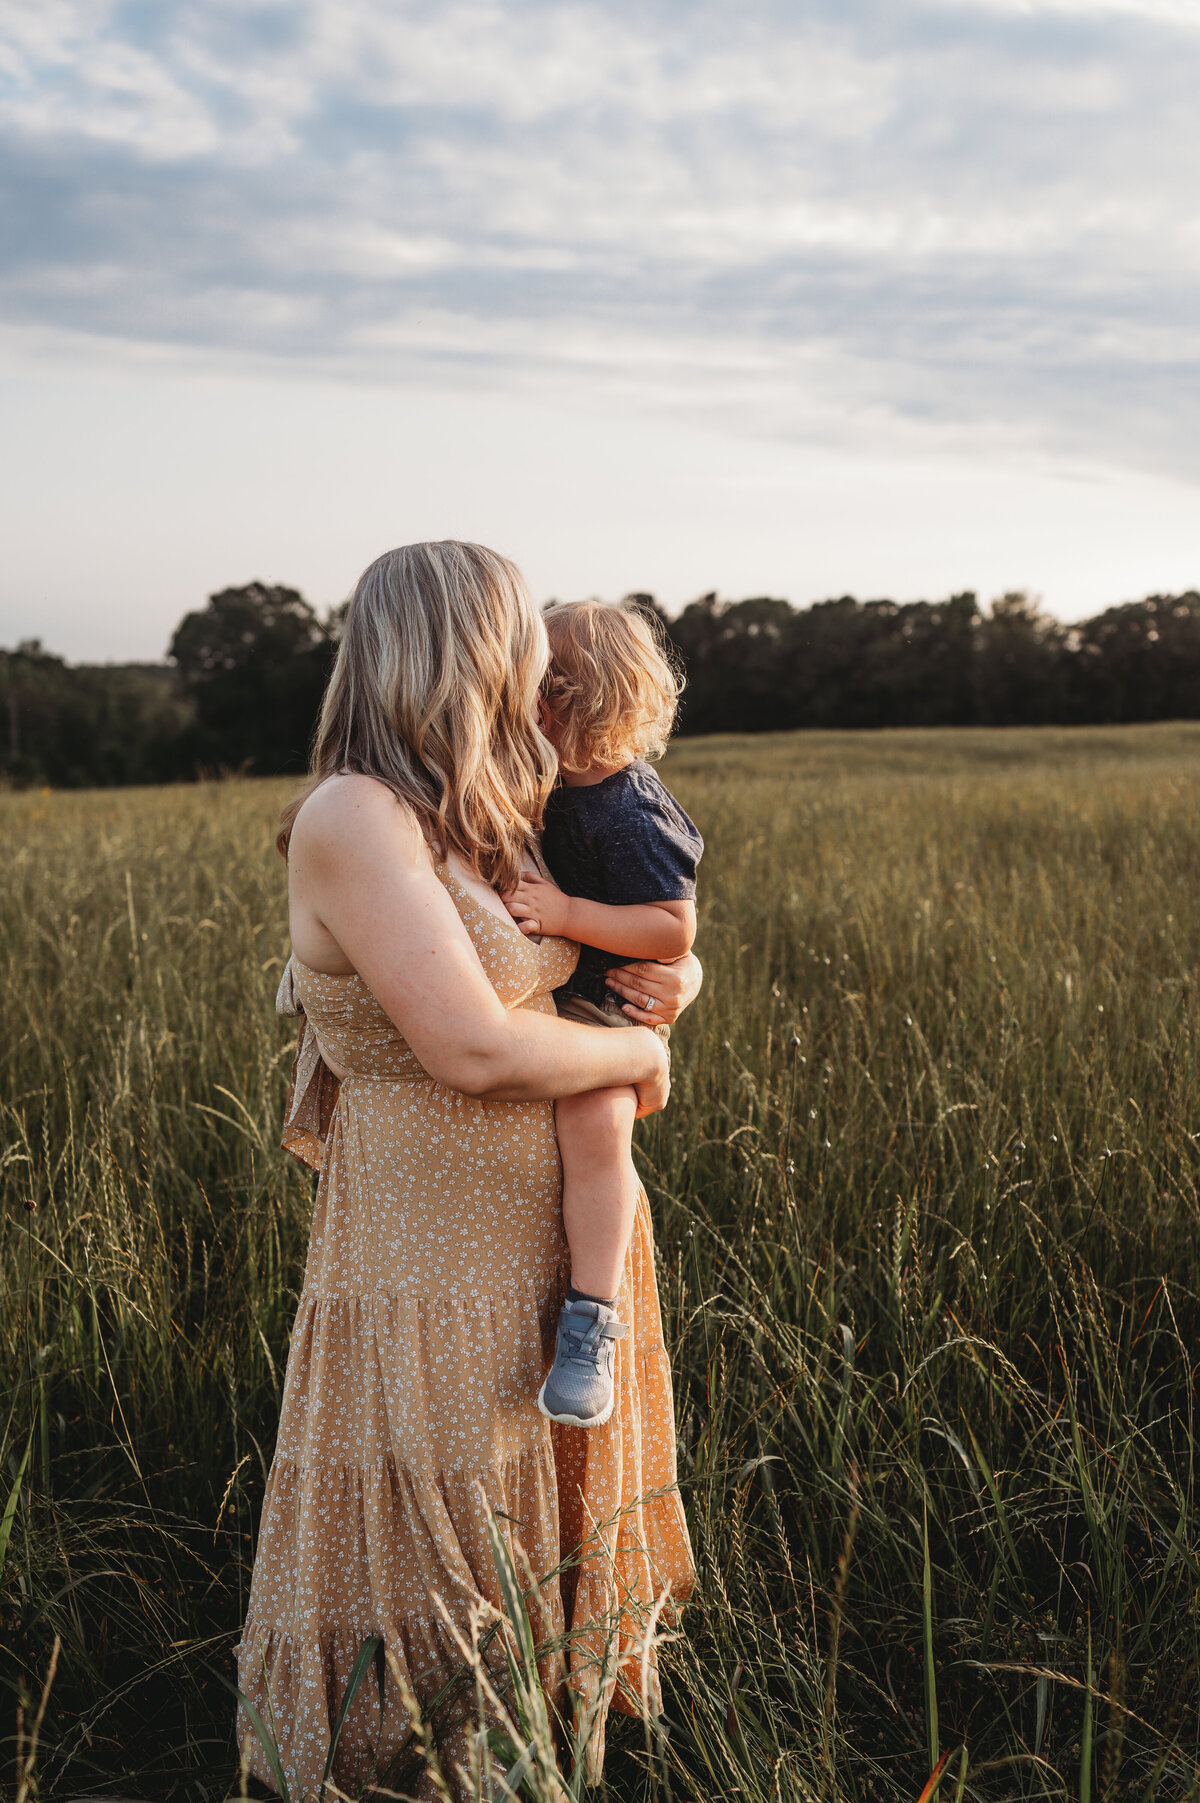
(956, 227)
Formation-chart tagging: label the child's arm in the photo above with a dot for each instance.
(661, 930)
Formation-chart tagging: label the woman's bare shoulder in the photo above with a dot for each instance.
(348, 808)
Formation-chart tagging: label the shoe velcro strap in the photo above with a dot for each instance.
(604, 1330)
(596, 1331)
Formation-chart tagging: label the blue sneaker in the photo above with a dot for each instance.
(578, 1390)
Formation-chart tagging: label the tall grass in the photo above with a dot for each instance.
(926, 1198)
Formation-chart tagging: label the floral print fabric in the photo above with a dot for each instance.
(425, 1326)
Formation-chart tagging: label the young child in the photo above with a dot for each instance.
(623, 854)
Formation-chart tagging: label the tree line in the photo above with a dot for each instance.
(245, 674)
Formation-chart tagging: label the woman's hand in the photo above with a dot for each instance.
(670, 987)
(652, 1094)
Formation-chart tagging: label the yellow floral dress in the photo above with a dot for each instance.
(424, 1329)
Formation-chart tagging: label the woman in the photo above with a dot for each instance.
(436, 1264)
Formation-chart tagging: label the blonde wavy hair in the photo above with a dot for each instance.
(611, 685)
(434, 693)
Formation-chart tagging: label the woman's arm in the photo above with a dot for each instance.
(360, 873)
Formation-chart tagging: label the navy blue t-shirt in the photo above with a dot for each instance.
(622, 841)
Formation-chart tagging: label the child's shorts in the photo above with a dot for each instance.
(574, 1007)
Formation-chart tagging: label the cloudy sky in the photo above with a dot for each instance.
(794, 298)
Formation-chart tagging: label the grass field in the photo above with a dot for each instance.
(927, 1205)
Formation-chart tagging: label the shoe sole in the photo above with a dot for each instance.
(573, 1420)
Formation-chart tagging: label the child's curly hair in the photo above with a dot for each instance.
(612, 685)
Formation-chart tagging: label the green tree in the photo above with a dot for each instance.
(87, 725)
(255, 662)
(1140, 661)
(1021, 665)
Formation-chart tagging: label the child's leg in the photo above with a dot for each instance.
(600, 1186)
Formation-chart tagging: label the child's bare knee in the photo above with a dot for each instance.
(600, 1108)
(598, 1122)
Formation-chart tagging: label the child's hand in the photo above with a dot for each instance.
(538, 906)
